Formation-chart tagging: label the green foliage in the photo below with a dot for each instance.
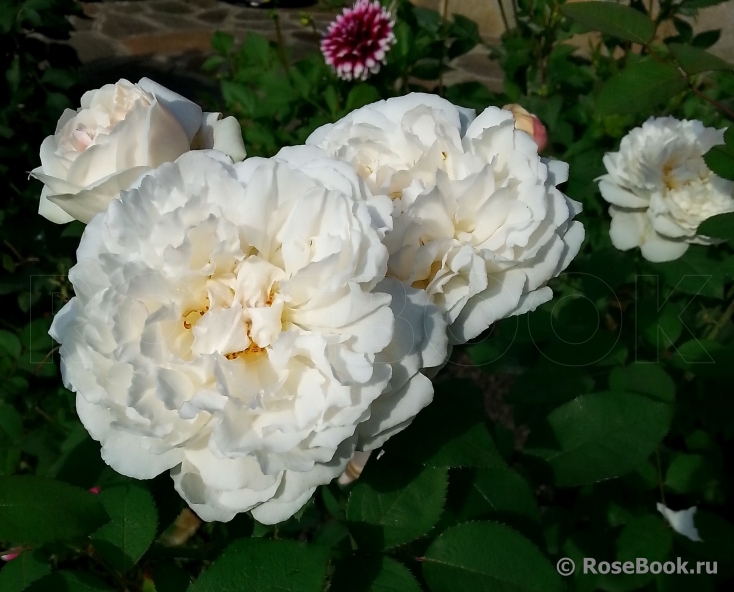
(260, 565)
(487, 556)
(553, 435)
(38, 510)
(381, 510)
(132, 526)
(23, 571)
(617, 20)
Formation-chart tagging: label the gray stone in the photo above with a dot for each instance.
(170, 7)
(92, 46)
(122, 8)
(177, 23)
(252, 15)
(216, 15)
(121, 26)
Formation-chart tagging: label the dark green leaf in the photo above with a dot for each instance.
(648, 537)
(601, 436)
(487, 557)
(720, 159)
(646, 378)
(498, 492)
(265, 565)
(70, 581)
(450, 432)
(132, 527)
(706, 39)
(35, 335)
(361, 95)
(689, 472)
(719, 226)
(639, 87)
(613, 19)
(395, 502)
(38, 510)
(22, 571)
(10, 343)
(694, 273)
(222, 42)
(694, 60)
(705, 358)
(11, 423)
(373, 573)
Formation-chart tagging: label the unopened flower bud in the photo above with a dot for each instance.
(11, 554)
(530, 124)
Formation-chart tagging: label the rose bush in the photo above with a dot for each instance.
(234, 332)
(121, 131)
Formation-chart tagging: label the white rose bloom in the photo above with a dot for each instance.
(481, 227)
(398, 145)
(232, 323)
(661, 189)
(121, 131)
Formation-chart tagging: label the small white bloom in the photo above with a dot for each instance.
(121, 131)
(479, 222)
(660, 188)
(681, 521)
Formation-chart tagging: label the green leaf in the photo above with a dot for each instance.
(395, 502)
(361, 95)
(648, 537)
(22, 571)
(694, 273)
(639, 87)
(39, 510)
(689, 472)
(705, 358)
(646, 378)
(11, 423)
(719, 226)
(132, 527)
(717, 535)
(613, 19)
(497, 492)
(35, 335)
(222, 42)
(487, 557)
(10, 343)
(265, 565)
(373, 573)
(694, 60)
(70, 581)
(601, 436)
(720, 159)
(706, 38)
(450, 432)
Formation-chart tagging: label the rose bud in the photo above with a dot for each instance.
(530, 124)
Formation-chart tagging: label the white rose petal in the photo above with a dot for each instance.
(681, 521)
(120, 131)
(479, 223)
(661, 189)
(233, 323)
